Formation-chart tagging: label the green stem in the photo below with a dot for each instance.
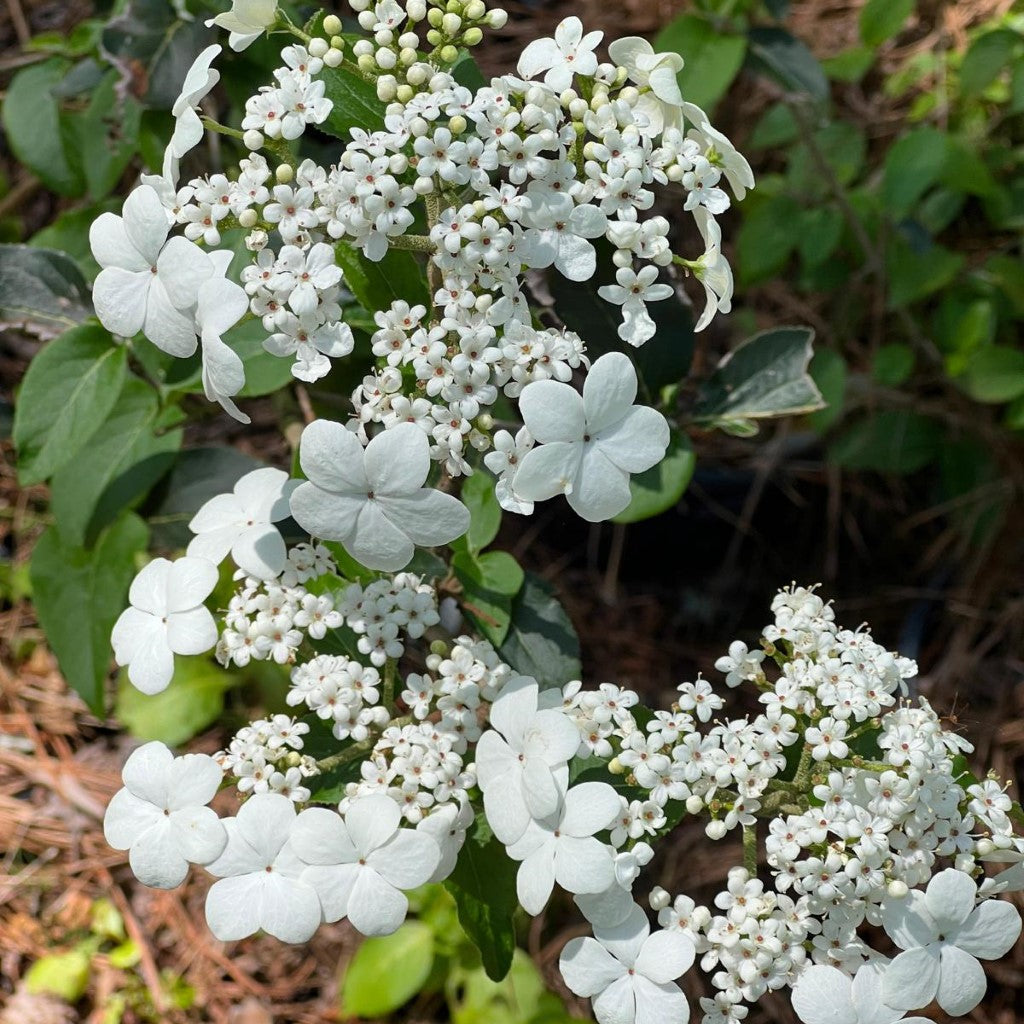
(356, 751)
(802, 779)
(390, 672)
(750, 848)
(414, 243)
(220, 129)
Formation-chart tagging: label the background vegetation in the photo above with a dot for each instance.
(886, 138)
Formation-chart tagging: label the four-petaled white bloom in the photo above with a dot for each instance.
(590, 444)
(373, 500)
(246, 21)
(241, 524)
(712, 269)
(656, 71)
(220, 304)
(632, 292)
(521, 761)
(166, 617)
(569, 53)
(260, 887)
(161, 817)
(943, 935)
(360, 864)
(630, 973)
(562, 847)
(188, 127)
(827, 995)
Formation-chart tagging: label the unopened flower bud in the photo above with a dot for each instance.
(630, 94)
(416, 9)
(253, 140)
(398, 163)
(622, 258)
(578, 108)
(450, 25)
(332, 25)
(694, 804)
(366, 63)
(248, 218)
(985, 847)
(384, 37)
(457, 124)
(284, 173)
(423, 186)
(292, 759)
(318, 47)
(897, 889)
(366, 20)
(497, 18)
(715, 830)
(675, 173)
(616, 767)
(257, 241)
(405, 93)
(472, 37)
(334, 58)
(449, 54)
(435, 17)
(359, 5)
(409, 40)
(386, 59)
(337, 43)
(485, 421)
(440, 648)
(659, 898)
(387, 88)
(439, 83)
(362, 48)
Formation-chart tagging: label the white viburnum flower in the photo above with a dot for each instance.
(241, 524)
(447, 826)
(630, 973)
(220, 304)
(373, 500)
(521, 761)
(360, 864)
(590, 443)
(569, 53)
(166, 617)
(712, 269)
(144, 275)
(722, 153)
(943, 935)
(188, 127)
(260, 886)
(656, 71)
(562, 848)
(632, 292)
(827, 995)
(161, 817)
(246, 21)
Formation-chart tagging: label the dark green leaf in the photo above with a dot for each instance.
(782, 56)
(31, 120)
(485, 512)
(881, 20)
(69, 233)
(987, 58)
(377, 285)
(387, 971)
(541, 641)
(822, 228)
(917, 272)
(41, 286)
(355, 102)
(713, 58)
(913, 164)
(994, 374)
(893, 364)
(768, 235)
(661, 487)
(850, 65)
(828, 370)
(126, 456)
(79, 595)
(70, 387)
(193, 700)
(489, 583)
(483, 885)
(891, 441)
(765, 377)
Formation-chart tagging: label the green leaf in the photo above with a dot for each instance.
(712, 58)
(893, 364)
(355, 103)
(31, 120)
(661, 487)
(917, 272)
(891, 441)
(764, 378)
(541, 641)
(828, 370)
(377, 285)
(69, 233)
(881, 20)
(768, 235)
(79, 594)
(988, 56)
(193, 700)
(912, 166)
(41, 286)
(483, 885)
(485, 512)
(850, 65)
(664, 360)
(489, 582)
(126, 456)
(780, 55)
(822, 229)
(994, 374)
(64, 975)
(520, 998)
(68, 391)
(387, 971)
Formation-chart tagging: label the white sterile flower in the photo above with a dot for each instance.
(562, 847)
(590, 444)
(241, 524)
(521, 761)
(360, 864)
(943, 935)
(220, 304)
(188, 127)
(633, 291)
(712, 269)
(569, 53)
(246, 21)
(630, 973)
(721, 151)
(260, 885)
(166, 617)
(133, 292)
(447, 825)
(161, 817)
(827, 995)
(658, 71)
(373, 501)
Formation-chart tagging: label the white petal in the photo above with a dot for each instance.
(601, 489)
(326, 514)
(190, 581)
(222, 511)
(428, 517)
(397, 461)
(213, 545)
(319, 836)
(167, 327)
(147, 772)
(120, 298)
(192, 780)
(658, 1003)
(576, 260)
(626, 51)
(233, 907)
(332, 458)
(541, 792)
(548, 470)
(536, 879)
(560, 735)
(223, 370)
(155, 859)
(637, 442)
(494, 757)
(375, 907)
(265, 821)
(238, 857)
(609, 391)
(182, 269)
(617, 1003)
(140, 642)
(199, 834)
(260, 551)
(112, 248)
(990, 931)
(589, 808)
(126, 818)
(587, 967)
(540, 55)
(666, 956)
(950, 898)
(191, 632)
(961, 982)
(221, 304)
(912, 979)
(407, 860)
(148, 591)
(372, 821)
(505, 810)
(626, 939)
(333, 885)
(290, 909)
(606, 909)
(515, 708)
(263, 494)
(376, 541)
(145, 222)
(583, 865)
(907, 921)
(866, 992)
(552, 411)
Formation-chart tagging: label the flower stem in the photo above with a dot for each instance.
(750, 848)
